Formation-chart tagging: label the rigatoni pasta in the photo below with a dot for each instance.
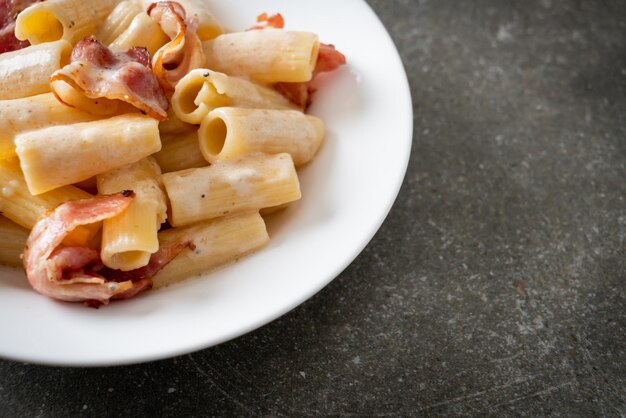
(266, 56)
(230, 132)
(34, 112)
(173, 125)
(16, 202)
(216, 243)
(69, 20)
(118, 21)
(129, 239)
(84, 149)
(208, 27)
(142, 31)
(201, 91)
(180, 152)
(132, 165)
(27, 72)
(247, 184)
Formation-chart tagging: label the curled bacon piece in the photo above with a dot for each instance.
(184, 52)
(328, 59)
(265, 21)
(9, 9)
(97, 72)
(76, 274)
(67, 273)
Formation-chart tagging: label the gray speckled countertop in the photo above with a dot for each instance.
(497, 284)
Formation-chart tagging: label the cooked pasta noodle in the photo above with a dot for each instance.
(201, 91)
(125, 166)
(230, 132)
(70, 20)
(180, 152)
(215, 243)
(30, 69)
(265, 56)
(246, 184)
(84, 149)
(129, 239)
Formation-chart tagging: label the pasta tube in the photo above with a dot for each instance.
(229, 132)
(142, 31)
(208, 26)
(26, 72)
(180, 152)
(17, 204)
(35, 112)
(118, 21)
(216, 243)
(173, 125)
(247, 184)
(70, 20)
(129, 238)
(265, 56)
(201, 91)
(12, 242)
(66, 154)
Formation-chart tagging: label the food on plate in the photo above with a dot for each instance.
(26, 72)
(203, 90)
(70, 20)
(184, 52)
(230, 132)
(97, 80)
(142, 144)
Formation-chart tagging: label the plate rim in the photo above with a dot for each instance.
(208, 341)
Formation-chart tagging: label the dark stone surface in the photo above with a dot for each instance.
(497, 284)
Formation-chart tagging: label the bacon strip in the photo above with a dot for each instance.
(76, 274)
(96, 72)
(64, 274)
(265, 21)
(328, 59)
(184, 52)
(9, 9)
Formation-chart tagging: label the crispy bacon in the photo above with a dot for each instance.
(265, 21)
(97, 72)
(9, 9)
(65, 273)
(76, 274)
(184, 52)
(328, 59)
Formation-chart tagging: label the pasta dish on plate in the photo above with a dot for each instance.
(142, 143)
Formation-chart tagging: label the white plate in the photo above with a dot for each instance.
(347, 192)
